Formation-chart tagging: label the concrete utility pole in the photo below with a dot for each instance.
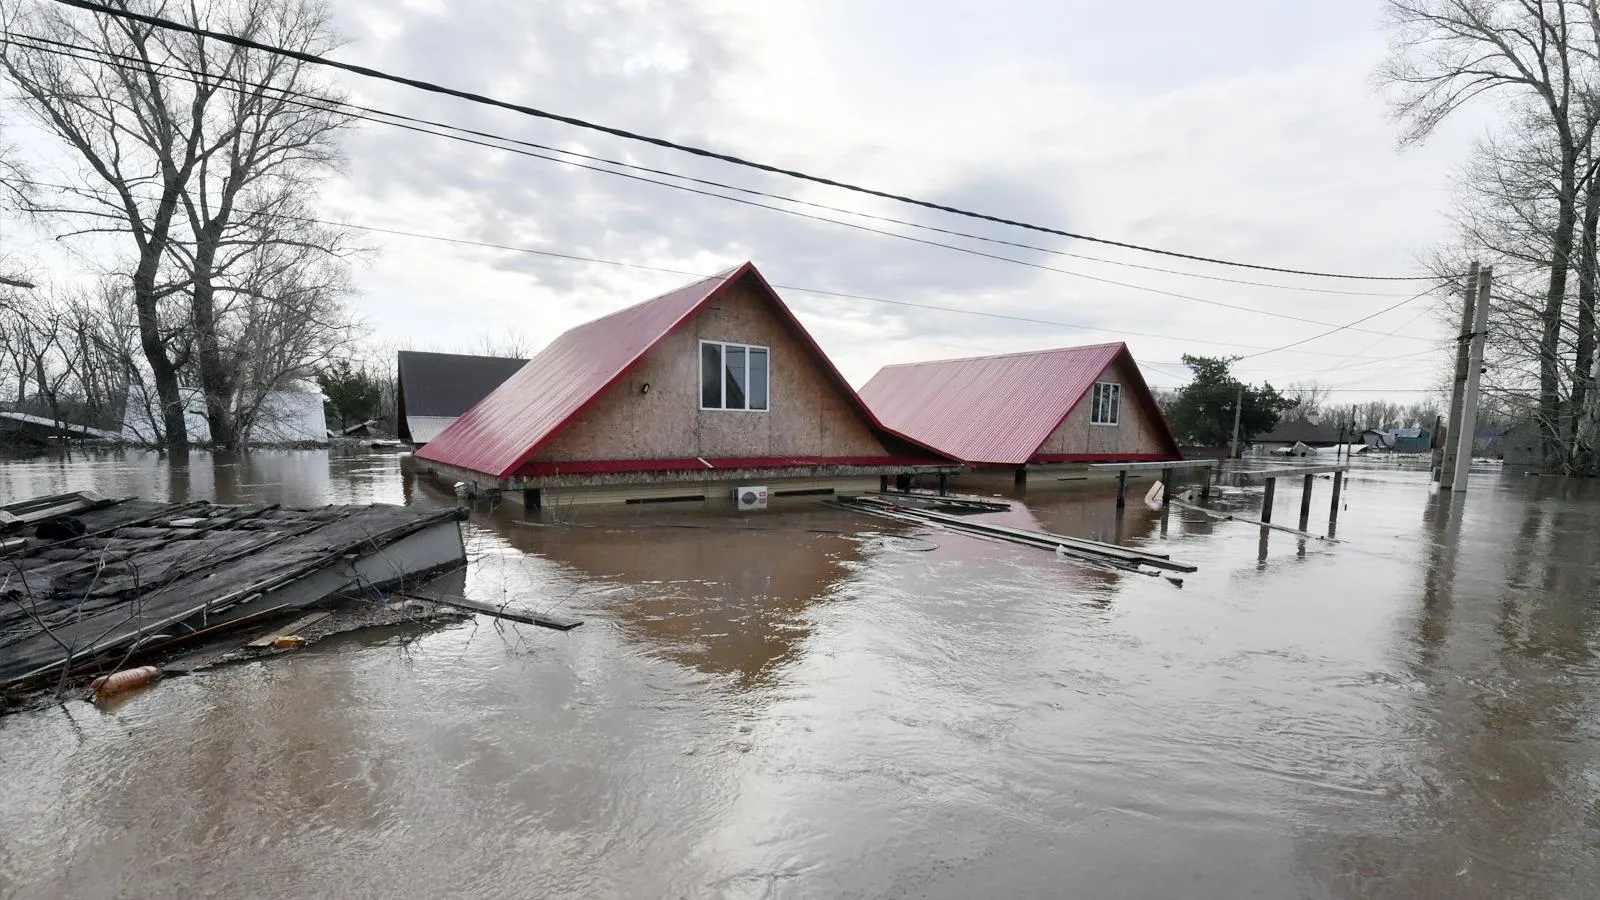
(1469, 403)
(1233, 445)
(1458, 384)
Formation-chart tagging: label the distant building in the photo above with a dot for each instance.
(283, 417)
(1399, 440)
(1487, 442)
(1025, 410)
(1519, 446)
(1286, 434)
(433, 389)
(713, 392)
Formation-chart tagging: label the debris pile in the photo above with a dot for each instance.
(87, 584)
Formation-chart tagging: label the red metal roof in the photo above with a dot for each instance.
(502, 432)
(997, 409)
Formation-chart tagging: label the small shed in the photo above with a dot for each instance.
(433, 389)
(1024, 410)
(701, 394)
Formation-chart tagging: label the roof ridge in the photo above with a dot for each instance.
(724, 275)
(1047, 350)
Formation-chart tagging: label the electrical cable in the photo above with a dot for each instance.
(368, 72)
(321, 105)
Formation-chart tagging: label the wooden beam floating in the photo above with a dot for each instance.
(543, 620)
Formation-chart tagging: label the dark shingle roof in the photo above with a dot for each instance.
(448, 384)
(1302, 431)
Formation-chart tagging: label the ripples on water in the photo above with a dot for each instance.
(799, 704)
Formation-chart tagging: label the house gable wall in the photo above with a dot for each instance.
(1136, 433)
(809, 414)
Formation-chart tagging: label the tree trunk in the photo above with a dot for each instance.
(1581, 455)
(175, 433)
(215, 382)
(1550, 317)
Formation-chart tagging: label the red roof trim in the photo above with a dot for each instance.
(601, 466)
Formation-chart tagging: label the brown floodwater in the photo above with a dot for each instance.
(807, 704)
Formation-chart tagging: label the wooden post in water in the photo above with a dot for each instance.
(1305, 502)
(1469, 398)
(1122, 489)
(1020, 479)
(1333, 509)
(1166, 486)
(1458, 384)
(1205, 485)
(944, 484)
(1266, 501)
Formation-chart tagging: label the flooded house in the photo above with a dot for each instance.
(713, 392)
(434, 389)
(1043, 410)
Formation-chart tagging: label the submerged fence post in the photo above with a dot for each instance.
(1333, 509)
(1305, 502)
(1266, 501)
(1205, 483)
(1166, 487)
(1122, 488)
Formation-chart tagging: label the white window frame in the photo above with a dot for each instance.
(1114, 389)
(722, 381)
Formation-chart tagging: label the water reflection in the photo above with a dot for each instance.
(799, 705)
(722, 594)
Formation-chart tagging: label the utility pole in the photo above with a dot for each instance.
(1233, 445)
(1458, 384)
(1469, 405)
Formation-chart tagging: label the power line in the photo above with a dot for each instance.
(1350, 327)
(572, 257)
(142, 64)
(365, 71)
(323, 103)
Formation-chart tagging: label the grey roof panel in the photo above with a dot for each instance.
(449, 384)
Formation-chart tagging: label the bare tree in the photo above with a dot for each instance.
(1539, 57)
(510, 344)
(188, 146)
(1309, 398)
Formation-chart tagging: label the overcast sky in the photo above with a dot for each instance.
(1247, 129)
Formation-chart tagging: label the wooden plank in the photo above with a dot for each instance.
(1247, 476)
(1221, 516)
(1131, 554)
(1045, 540)
(293, 628)
(543, 620)
(1147, 466)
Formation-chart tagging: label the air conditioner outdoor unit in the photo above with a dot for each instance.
(750, 497)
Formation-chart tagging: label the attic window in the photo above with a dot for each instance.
(1107, 407)
(733, 376)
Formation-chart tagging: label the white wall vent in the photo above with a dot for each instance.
(750, 497)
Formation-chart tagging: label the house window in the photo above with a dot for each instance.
(733, 376)
(1107, 408)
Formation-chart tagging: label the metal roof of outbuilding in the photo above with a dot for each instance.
(448, 384)
(502, 433)
(997, 409)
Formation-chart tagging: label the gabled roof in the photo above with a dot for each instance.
(448, 384)
(1302, 430)
(502, 433)
(998, 409)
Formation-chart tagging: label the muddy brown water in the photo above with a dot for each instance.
(804, 704)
